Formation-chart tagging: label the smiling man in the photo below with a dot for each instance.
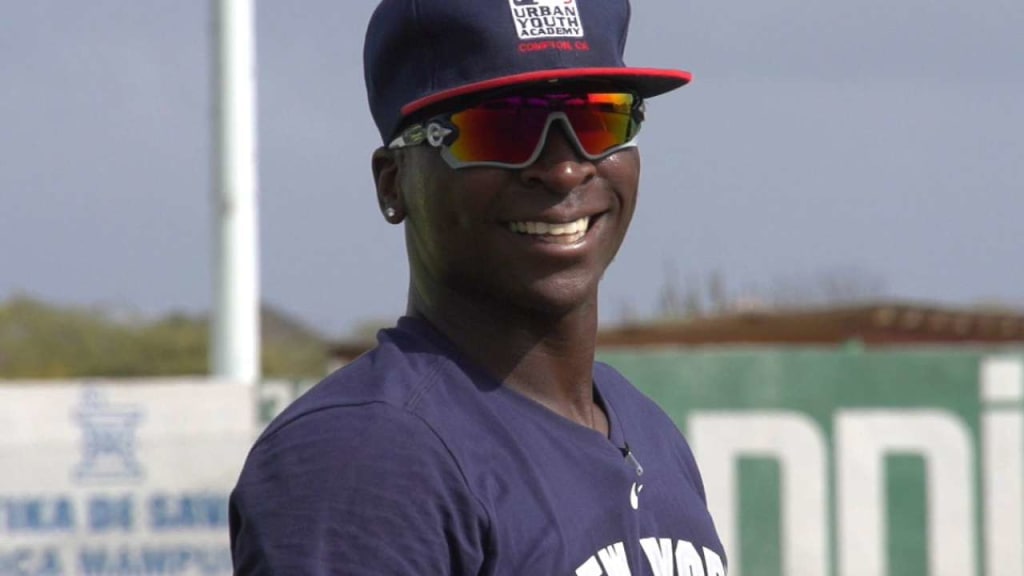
(480, 437)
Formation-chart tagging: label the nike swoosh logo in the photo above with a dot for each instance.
(634, 495)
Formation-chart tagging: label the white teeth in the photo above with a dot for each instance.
(547, 229)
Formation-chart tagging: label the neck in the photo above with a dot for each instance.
(543, 355)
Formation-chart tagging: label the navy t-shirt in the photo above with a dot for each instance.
(411, 461)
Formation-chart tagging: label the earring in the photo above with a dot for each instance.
(389, 212)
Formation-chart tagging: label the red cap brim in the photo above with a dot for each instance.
(647, 82)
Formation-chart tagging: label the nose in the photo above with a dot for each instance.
(560, 167)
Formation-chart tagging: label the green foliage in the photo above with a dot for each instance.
(39, 340)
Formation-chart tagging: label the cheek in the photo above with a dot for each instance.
(622, 172)
(448, 209)
(426, 188)
(473, 194)
(464, 201)
(425, 220)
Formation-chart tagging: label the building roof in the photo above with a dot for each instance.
(871, 324)
(880, 324)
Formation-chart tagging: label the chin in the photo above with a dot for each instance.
(553, 299)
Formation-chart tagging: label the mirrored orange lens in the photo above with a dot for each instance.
(508, 130)
(493, 134)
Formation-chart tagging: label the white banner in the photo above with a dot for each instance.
(120, 478)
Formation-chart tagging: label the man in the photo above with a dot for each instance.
(479, 437)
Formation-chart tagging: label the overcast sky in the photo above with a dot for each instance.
(879, 139)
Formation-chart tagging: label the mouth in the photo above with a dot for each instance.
(554, 233)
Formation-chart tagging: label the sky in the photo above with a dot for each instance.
(876, 141)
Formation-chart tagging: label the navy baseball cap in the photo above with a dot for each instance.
(421, 53)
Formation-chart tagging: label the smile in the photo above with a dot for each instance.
(565, 233)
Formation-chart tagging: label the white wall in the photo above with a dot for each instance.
(126, 477)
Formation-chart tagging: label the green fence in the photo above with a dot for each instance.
(850, 462)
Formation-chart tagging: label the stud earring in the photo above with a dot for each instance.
(389, 212)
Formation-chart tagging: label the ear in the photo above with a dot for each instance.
(385, 166)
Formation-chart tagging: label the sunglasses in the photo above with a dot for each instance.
(510, 131)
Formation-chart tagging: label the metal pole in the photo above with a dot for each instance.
(234, 326)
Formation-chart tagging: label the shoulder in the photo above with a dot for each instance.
(340, 452)
(373, 477)
(364, 417)
(357, 461)
(343, 434)
(398, 372)
(389, 408)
